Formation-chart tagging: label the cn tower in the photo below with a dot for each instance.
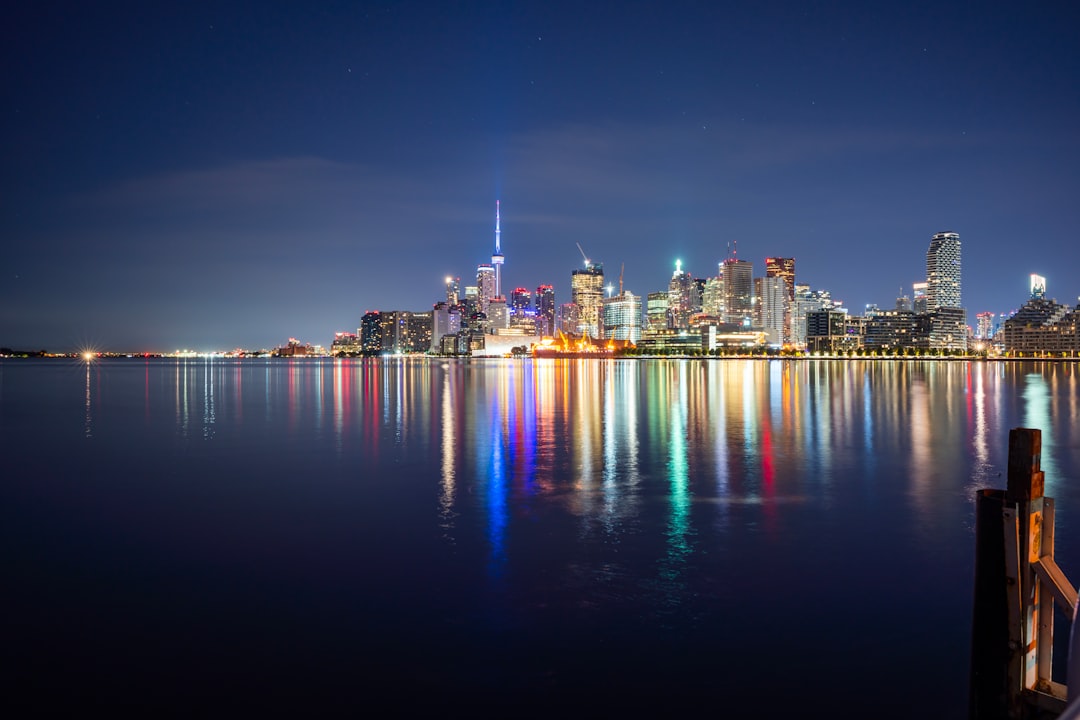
(497, 258)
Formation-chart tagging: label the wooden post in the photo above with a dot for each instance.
(1017, 582)
(1023, 520)
(988, 683)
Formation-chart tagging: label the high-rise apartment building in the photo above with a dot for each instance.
(545, 310)
(445, 320)
(587, 292)
(949, 326)
(395, 332)
(622, 317)
(943, 271)
(520, 300)
(774, 306)
(784, 268)
(485, 284)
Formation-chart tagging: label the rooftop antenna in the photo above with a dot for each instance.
(583, 253)
(620, 277)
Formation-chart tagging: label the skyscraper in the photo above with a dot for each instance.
(656, 313)
(520, 300)
(497, 258)
(712, 298)
(738, 291)
(943, 272)
(485, 284)
(587, 293)
(1038, 287)
(774, 308)
(784, 268)
(622, 317)
(545, 310)
(453, 290)
(918, 297)
(949, 324)
(680, 301)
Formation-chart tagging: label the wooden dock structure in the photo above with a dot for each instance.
(1017, 583)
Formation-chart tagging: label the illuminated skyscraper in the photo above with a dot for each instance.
(1038, 287)
(680, 300)
(520, 300)
(497, 258)
(712, 298)
(485, 284)
(656, 313)
(943, 272)
(587, 293)
(453, 290)
(949, 324)
(545, 310)
(784, 268)
(919, 299)
(738, 292)
(774, 305)
(622, 317)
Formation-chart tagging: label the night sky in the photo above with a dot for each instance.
(212, 176)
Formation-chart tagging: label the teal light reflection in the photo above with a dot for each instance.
(1037, 415)
(679, 486)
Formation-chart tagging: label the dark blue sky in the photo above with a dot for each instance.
(208, 176)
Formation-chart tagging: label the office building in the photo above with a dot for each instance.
(622, 317)
(656, 313)
(587, 293)
(738, 292)
(680, 298)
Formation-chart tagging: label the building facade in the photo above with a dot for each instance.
(622, 317)
(738, 292)
(587, 293)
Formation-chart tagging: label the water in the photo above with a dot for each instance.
(740, 538)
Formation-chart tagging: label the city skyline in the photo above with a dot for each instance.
(184, 177)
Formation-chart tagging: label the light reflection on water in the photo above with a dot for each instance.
(694, 504)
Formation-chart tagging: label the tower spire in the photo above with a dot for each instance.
(497, 258)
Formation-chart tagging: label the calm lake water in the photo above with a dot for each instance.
(731, 538)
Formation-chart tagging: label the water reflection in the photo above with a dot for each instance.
(88, 424)
(1037, 409)
(606, 443)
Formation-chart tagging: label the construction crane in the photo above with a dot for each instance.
(583, 253)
